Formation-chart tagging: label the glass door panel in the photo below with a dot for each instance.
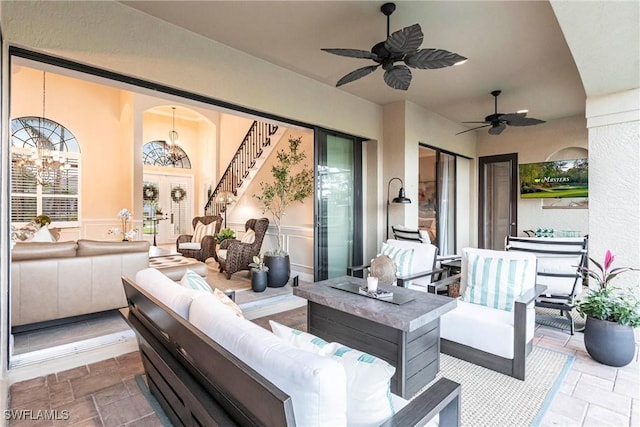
(338, 238)
(447, 204)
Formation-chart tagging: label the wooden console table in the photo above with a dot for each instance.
(407, 336)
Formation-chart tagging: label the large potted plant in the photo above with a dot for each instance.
(292, 182)
(611, 315)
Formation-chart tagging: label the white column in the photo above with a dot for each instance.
(613, 121)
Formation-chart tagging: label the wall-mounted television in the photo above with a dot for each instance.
(560, 178)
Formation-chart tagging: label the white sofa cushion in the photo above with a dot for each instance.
(316, 384)
(176, 297)
(369, 401)
(484, 328)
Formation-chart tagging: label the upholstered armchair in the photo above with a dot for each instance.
(494, 321)
(235, 255)
(206, 246)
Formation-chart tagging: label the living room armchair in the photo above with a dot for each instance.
(235, 255)
(205, 247)
(415, 262)
(494, 321)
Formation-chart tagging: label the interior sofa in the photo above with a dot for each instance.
(207, 365)
(59, 280)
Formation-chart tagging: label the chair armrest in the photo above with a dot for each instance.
(426, 273)
(353, 268)
(448, 257)
(442, 398)
(529, 296)
(184, 238)
(432, 288)
(225, 243)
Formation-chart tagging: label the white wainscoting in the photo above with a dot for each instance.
(298, 243)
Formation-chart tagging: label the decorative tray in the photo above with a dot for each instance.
(392, 297)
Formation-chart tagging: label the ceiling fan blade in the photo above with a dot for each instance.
(469, 130)
(497, 130)
(353, 53)
(478, 122)
(357, 74)
(406, 40)
(433, 58)
(399, 77)
(519, 119)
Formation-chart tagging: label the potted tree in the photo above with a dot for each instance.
(611, 316)
(292, 182)
(258, 274)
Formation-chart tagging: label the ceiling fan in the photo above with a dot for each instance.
(499, 121)
(402, 45)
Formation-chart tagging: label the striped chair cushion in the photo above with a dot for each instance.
(202, 230)
(493, 281)
(402, 257)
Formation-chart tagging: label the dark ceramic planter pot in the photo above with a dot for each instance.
(608, 342)
(258, 280)
(279, 270)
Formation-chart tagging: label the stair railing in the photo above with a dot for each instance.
(257, 138)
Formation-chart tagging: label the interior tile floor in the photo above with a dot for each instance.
(106, 393)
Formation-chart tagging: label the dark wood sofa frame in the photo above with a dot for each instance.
(198, 382)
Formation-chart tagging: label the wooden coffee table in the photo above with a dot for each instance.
(407, 336)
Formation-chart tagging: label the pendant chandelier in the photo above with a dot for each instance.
(45, 163)
(174, 153)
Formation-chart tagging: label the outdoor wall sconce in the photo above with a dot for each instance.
(402, 198)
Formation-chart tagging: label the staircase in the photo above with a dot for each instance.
(254, 149)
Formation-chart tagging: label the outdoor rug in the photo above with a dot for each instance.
(493, 399)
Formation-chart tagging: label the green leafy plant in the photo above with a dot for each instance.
(606, 302)
(292, 182)
(258, 263)
(224, 234)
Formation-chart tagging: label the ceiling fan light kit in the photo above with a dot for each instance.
(500, 121)
(402, 45)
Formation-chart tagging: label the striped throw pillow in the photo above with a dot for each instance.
(202, 230)
(494, 282)
(193, 280)
(402, 257)
(299, 339)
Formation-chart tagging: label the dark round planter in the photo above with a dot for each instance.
(279, 269)
(608, 342)
(258, 280)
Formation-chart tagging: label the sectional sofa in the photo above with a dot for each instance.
(209, 366)
(59, 280)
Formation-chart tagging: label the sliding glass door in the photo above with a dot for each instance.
(338, 215)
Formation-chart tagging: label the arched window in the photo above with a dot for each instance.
(45, 171)
(158, 153)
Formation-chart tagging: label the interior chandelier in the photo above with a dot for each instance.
(45, 163)
(173, 150)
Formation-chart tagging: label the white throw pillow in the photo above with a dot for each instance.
(368, 377)
(316, 384)
(494, 281)
(43, 235)
(249, 236)
(302, 340)
(228, 303)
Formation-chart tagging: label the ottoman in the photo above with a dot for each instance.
(174, 266)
